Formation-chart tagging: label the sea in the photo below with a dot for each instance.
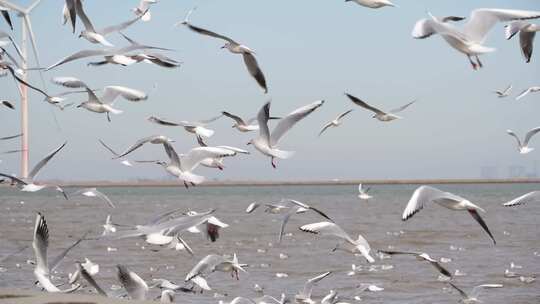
(453, 238)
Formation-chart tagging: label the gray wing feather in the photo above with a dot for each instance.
(44, 161)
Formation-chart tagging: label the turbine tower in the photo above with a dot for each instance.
(26, 30)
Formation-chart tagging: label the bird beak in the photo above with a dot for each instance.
(79, 105)
(249, 143)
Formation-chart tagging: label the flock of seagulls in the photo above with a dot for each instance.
(167, 228)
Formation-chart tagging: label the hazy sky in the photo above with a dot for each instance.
(308, 50)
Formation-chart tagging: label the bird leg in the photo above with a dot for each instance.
(479, 62)
(273, 163)
(108, 117)
(474, 65)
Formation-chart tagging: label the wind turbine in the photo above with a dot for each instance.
(25, 30)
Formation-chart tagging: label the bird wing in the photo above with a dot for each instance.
(423, 195)
(132, 283)
(8, 104)
(463, 294)
(71, 13)
(205, 266)
(302, 205)
(119, 27)
(326, 228)
(507, 90)
(526, 40)
(84, 18)
(110, 93)
(308, 287)
(101, 195)
(139, 143)
(69, 82)
(238, 120)
(511, 133)
(171, 153)
(57, 260)
(284, 222)
(90, 280)
(424, 28)
(524, 199)
(108, 148)
(364, 105)
(254, 70)
(475, 292)
(262, 120)
(344, 114)
(44, 161)
(480, 221)
(21, 81)
(252, 207)
(80, 55)
(482, 20)
(191, 160)
(7, 17)
(529, 135)
(325, 127)
(234, 149)
(41, 243)
(14, 179)
(162, 122)
(393, 252)
(441, 269)
(286, 123)
(11, 137)
(206, 32)
(512, 28)
(212, 119)
(402, 107)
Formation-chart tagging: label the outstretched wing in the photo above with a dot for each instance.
(238, 119)
(286, 123)
(402, 107)
(110, 93)
(200, 30)
(364, 105)
(326, 228)
(254, 70)
(44, 161)
(524, 199)
(480, 221)
(529, 135)
(41, 243)
(192, 159)
(423, 195)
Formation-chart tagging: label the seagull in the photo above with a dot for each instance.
(470, 40)
(181, 166)
(422, 256)
(7, 104)
(93, 192)
(214, 262)
(104, 103)
(124, 162)
(27, 184)
(98, 36)
(296, 207)
(143, 9)
(426, 194)
(526, 31)
(235, 48)
(243, 126)
(473, 296)
(527, 198)
(88, 276)
(379, 114)
(217, 162)
(523, 148)
(211, 227)
(363, 193)
(527, 91)
(304, 296)
(108, 227)
(40, 245)
(267, 142)
(334, 123)
(350, 245)
(373, 3)
(197, 127)
(136, 287)
(154, 139)
(504, 93)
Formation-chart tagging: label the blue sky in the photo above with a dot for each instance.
(308, 50)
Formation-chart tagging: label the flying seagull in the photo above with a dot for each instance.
(93, 192)
(296, 207)
(471, 38)
(426, 194)
(475, 292)
(304, 296)
(331, 229)
(28, 184)
(523, 148)
(124, 162)
(267, 142)
(421, 256)
(154, 139)
(334, 123)
(212, 263)
(195, 127)
(527, 198)
(526, 31)
(363, 193)
(373, 3)
(242, 125)
(235, 48)
(98, 36)
(504, 93)
(142, 9)
(40, 245)
(527, 91)
(379, 114)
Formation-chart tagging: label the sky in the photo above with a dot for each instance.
(308, 50)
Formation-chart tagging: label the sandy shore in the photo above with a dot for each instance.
(14, 296)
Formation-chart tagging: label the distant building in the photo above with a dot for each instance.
(489, 172)
(516, 171)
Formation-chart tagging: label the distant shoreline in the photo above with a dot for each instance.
(232, 183)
